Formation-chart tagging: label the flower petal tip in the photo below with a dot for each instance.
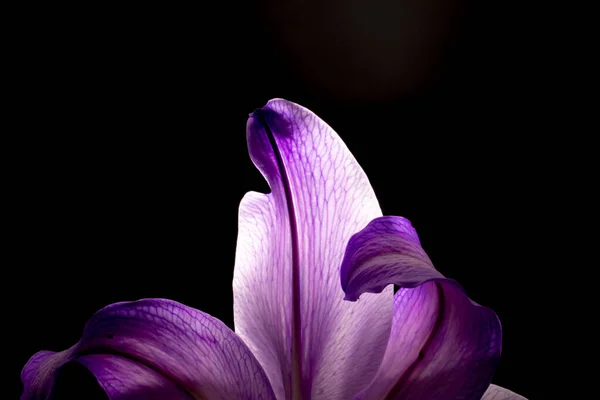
(349, 297)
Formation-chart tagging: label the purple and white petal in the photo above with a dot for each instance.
(499, 393)
(288, 305)
(442, 345)
(159, 346)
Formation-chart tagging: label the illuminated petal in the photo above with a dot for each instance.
(288, 305)
(498, 393)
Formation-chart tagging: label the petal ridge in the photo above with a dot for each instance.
(331, 199)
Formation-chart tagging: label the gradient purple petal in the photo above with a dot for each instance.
(288, 305)
(442, 345)
(157, 345)
(125, 379)
(499, 393)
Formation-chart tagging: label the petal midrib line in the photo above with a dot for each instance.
(400, 384)
(296, 384)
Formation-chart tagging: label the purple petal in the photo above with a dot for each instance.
(125, 379)
(442, 345)
(157, 345)
(288, 305)
(387, 251)
(498, 393)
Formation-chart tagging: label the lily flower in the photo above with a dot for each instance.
(299, 334)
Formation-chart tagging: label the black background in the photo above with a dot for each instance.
(130, 152)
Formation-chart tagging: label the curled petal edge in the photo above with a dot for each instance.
(155, 346)
(450, 335)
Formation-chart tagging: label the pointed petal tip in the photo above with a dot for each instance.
(37, 376)
(278, 100)
(495, 392)
(268, 105)
(348, 297)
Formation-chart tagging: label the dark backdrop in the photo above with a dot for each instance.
(131, 156)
